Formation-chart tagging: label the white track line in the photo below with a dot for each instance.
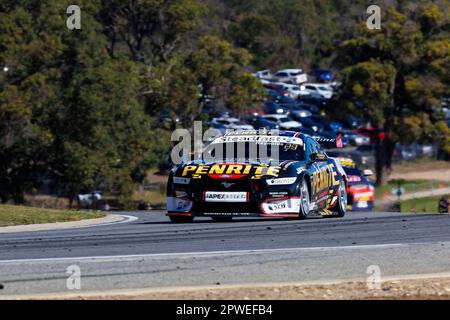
(208, 253)
(126, 220)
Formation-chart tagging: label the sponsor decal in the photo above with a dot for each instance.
(230, 171)
(261, 132)
(347, 162)
(358, 196)
(212, 196)
(325, 178)
(177, 204)
(281, 181)
(181, 180)
(228, 214)
(354, 179)
(278, 194)
(277, 206)
(274, 206)
(262, 140)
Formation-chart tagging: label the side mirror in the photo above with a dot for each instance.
(315, 157)
(367, 173)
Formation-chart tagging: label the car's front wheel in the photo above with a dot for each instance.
(342, 200)
(305, 200)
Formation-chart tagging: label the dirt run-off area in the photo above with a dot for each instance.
(422, 170)
(441, 175)
(405, 288)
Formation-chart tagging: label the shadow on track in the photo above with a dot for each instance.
(210, 221)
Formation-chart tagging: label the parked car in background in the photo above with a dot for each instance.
(334, 126)
(307, 122)
(275, 108)
(283, 100)
(315, 99)
(283, 121)
(295, 91)
(275, 90)
(355, 139)
(260, 122)
(293, 76)
(231, 123)
(308, 106)
(263, 74)
(371, 133)
(352, 122)
(318, 88)
(323, 75)
(360, 190)
(415, 150)
(299, 111)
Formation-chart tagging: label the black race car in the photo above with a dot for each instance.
(259, 173)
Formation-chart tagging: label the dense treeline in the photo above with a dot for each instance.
(78, 108)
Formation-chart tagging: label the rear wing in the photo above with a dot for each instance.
(330, 143)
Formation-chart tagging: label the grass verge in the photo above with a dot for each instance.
(11, 215)
(429, 204)
(410, 186)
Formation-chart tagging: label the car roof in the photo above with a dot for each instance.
(226, 119)
(278, 116)
(290, 70)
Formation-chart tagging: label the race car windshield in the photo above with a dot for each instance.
(352, 171)
(250, 151)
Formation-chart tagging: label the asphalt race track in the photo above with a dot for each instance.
(151, 252)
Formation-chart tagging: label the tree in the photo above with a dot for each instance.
(261, 36)
(151, 29)
(25, 91)
(218, 67)
(171, 88)
(397, 74)
(69, 111)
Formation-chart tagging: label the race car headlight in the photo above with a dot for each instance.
(281, 181)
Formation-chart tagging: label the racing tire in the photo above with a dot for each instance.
(342, 200)
(305, 200)
(177, 219)
(222, 219)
